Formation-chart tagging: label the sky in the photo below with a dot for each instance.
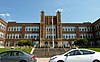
(28, 11)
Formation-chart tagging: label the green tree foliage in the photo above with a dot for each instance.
(29, 43)
(81, 42)
(24, 43)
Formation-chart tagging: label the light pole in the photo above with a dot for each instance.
(35, 43)
(52, 33)
(68, 42)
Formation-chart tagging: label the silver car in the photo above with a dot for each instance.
(16, 56)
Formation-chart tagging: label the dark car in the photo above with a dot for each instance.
(16, 56)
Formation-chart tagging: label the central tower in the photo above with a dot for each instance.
(50, 30)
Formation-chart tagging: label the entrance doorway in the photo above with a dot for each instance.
(51, 44)
(56, 44)
(46, 44)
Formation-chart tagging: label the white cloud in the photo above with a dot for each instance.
(59, 10)
(11, 20)
(5, 14)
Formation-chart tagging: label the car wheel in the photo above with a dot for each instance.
(23, 61)
(60, 61)
(96, 61)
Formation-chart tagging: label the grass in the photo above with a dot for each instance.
(28, 50)
(95, 49)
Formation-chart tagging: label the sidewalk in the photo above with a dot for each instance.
(43, 60)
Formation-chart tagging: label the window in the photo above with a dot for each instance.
(85, 28)
(13, 36)
(1, 43)
(36, 43)
(8, 43)
(15, 43)
(2, 26)
(17, 53)
(5, 54)
(15, 28)
(50, 28)
(28, 36)
(87, 52)
(50, 35)
(32, 28)
(1, 35)
(75, 52)
(65, 44)
(68, 28)
(88, 35)
(69, 35)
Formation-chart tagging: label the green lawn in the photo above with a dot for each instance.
(95, 49)
(28, 50)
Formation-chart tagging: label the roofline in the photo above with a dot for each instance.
(98, 20)
(3, 20)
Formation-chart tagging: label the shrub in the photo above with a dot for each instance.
(24, 43)
(81, 42)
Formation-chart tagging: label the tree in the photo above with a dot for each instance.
(81, 42)
(24, 43)
(29, 43)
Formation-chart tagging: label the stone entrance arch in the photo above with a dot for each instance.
(46, 44)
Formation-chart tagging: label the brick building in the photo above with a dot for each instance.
(3, 26)
(50, 32)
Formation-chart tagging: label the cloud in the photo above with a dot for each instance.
(59, 10)
(11, 20)
(5, 14)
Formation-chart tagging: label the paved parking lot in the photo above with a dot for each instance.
(43, 59)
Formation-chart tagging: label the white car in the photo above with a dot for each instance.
(77, 55)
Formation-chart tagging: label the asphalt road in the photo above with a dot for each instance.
(43, 59)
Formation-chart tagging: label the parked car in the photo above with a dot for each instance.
(16, 56)
(77, 55)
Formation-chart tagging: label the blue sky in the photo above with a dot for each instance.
(28, 11)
